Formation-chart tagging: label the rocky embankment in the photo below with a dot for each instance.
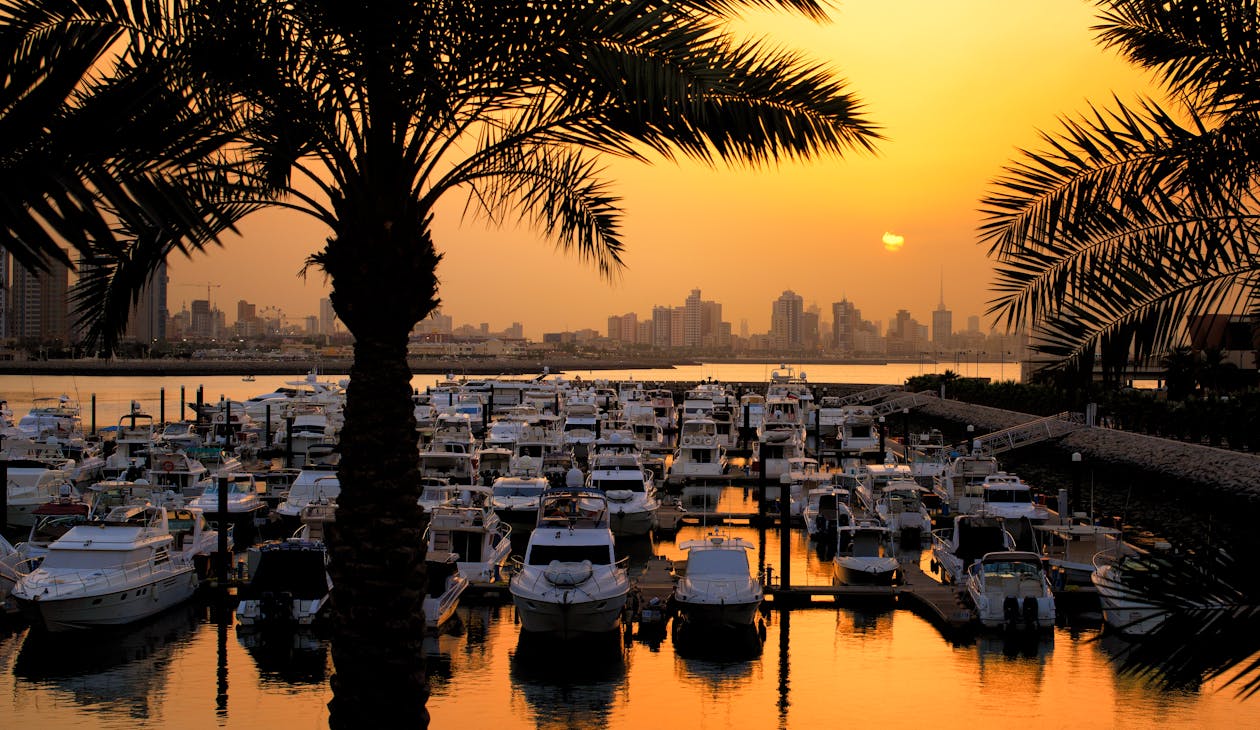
(1232, 472)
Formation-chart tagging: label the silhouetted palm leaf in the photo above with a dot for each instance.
(1134, 218)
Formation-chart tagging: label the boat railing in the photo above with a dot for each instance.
(135, 574)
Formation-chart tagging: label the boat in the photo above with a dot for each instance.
(245, 508)
(1009, 590)
(826, 510)
(445, 585)
(630, 489)
(288, 584)
(864, 555)
(248, 378)
(515, 499)
(969, 538)
(133, 440)
(776, 446)
(310, 485)
(900, 506)
(468, 527)
(700, 454)
(1122, 610)
(137, 561)
(31, 484)
(57, 416)
(716, 588)
(570, 583)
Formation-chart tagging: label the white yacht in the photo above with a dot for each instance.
(515, 500)
(136, 562)
(1122, 609)
(1010, 591)
(288, 584)
(51, 416)
(900, 506)
(468, 527)
(245, 507)
(310, 485)
(444, 585)
(700, 455)
(776, 446)
(133, 440)
(864, 555)
(970, 538)
(177, 471)
(630, 489)
(31, 484)
(571, 583)
(716, 588)
(857, 433)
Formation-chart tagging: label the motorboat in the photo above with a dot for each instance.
(716, 588)
(310, 485)
(445, 585)
(288, 584)
(137, 561)
(1069, 549)
(245, 507)
(515, 499)
(469, 527)
(177, 471)
(826, 509)
(865, 555)
(900, 506)
(629, 486)
(1122, 609)
(58, 416)
(1009, 590)
(455, 467)
(570, 583)
(970, 538)
(961, 485)
(776, 445)
(700, 454)
(178, 435)
(857, 432)
(31, 484)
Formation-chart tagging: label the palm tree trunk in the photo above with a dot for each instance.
(376, 543)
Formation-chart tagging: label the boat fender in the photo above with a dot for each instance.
(168, 465)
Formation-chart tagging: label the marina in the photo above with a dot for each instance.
(487, 666)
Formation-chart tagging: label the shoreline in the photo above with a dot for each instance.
(419, 366)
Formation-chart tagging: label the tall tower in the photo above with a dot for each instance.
(942, 322)
(785, 321)
(39, 303)
(693, 320)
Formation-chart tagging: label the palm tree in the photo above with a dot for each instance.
(1134, 218)
(383, 108)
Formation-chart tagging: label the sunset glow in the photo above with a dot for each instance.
(893, 242)
(968, 85)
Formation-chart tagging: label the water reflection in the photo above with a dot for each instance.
(114, 670)
(569, 684)
(286, 656)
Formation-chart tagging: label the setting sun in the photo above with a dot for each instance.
(893, 242)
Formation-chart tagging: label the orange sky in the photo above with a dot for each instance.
(957, 87)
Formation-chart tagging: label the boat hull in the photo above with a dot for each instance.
(856, 571)
(110, 609)
(570, 617)
(631, 523)
(718, 615)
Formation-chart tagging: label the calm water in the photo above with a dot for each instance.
(818, 667)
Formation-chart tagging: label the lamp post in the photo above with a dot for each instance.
(971, 444)
(881, 436)
(1076, 480)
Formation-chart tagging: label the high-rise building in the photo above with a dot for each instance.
(710, 322)
(327, 317)
(38, 303)
(785, 321)
(661, 319)
(846, 321)
(693, 320)
(809, 327)
(677, 318)
(245, 311)
(147, 321)
(202, 324)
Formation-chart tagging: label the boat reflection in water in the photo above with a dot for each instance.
(577, 689)
(287, 655)
(119, 670)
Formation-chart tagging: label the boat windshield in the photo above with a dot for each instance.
(717, 562)
(518, 490)
(1012, 568)
(544, 554)
(1008, 496)
(612, 485)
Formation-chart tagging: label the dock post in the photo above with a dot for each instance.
(883, 432)
(162, 406)
(93, 422)
(182, 400)
(267, 426)
(763, 485)
(905, 420)
(288, 442)
(222, 556)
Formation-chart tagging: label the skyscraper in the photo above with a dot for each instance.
(147, 322)
(327, 317)
(785, 321)
(844, 321)
(942, 324)
(693, 320)
(38, 304)
(661, 318)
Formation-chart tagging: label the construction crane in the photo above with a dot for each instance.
(208, 285)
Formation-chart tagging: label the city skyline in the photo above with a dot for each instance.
(956, 88)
